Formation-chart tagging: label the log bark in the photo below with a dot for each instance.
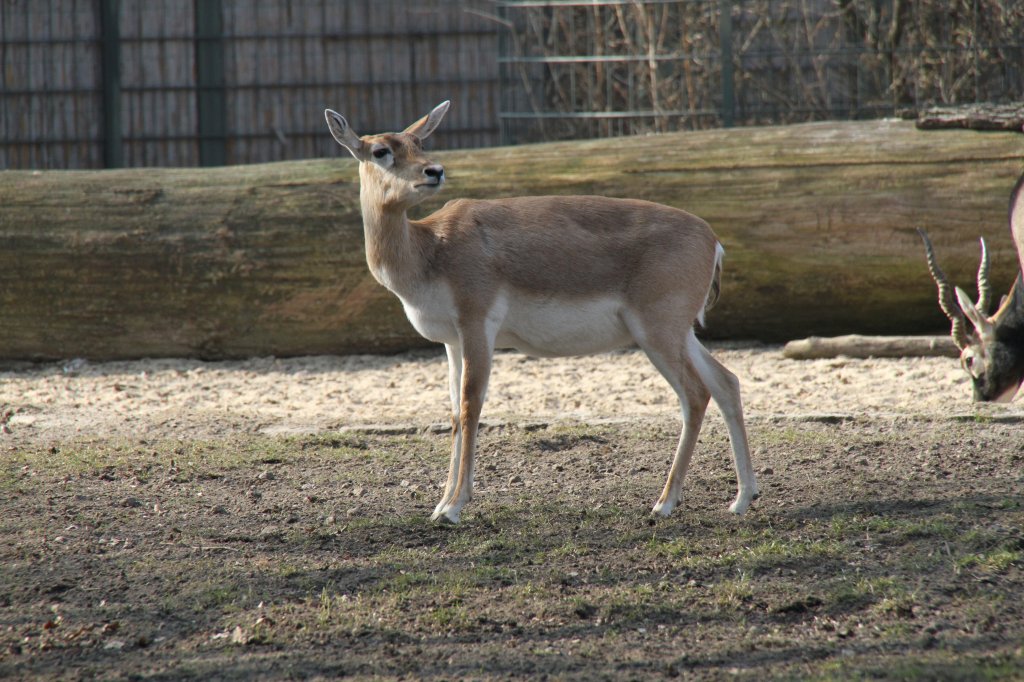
(973, 117)
(858, 346)
(817, 221)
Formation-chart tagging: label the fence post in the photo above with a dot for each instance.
(210, 98)
(110, 60)
(506, 91)
(725, 40)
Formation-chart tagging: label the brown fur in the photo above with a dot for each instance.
(572, 246)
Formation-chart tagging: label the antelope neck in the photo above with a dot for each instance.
(390, 248)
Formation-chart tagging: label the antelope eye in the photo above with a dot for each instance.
(972, 364)
(380, 152)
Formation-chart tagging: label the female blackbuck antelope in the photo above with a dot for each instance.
(993, 354)
(548, 276)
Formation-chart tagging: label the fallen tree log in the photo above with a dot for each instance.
(858, 346)
(817, 220)
(973, 116)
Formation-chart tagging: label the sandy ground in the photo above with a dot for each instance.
(194, 399)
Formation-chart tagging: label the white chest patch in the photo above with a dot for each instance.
(431, 310)
(384, 277)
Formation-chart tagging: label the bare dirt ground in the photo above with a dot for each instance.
(267, 519)
(191, 399)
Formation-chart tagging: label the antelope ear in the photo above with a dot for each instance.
(980, 322)
(344, 134)
(426, 125)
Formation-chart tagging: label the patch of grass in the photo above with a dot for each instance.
(326, 609)
(897, 605)
(78, 459)
(213, 594)
(733, 593)
(911, 667)
(776, 552)
(570, 549)
(405, 582)
(489, 576)
(449, 618)
(927, 529)
(673, 548)
(750, 550)
(498, 547)
(627, 609)
(330, 611)
(852, 595)
(847, 527)
(345, 447)
(995, 561)
(13, 476)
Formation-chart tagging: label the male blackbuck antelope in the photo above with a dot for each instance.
(993, 354)
(548, 276)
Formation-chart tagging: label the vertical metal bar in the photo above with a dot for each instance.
(506, 94)
(210, 95)
(977, 54)
(725, 40)
(110, 64)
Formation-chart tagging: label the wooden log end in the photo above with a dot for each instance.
(863, 347)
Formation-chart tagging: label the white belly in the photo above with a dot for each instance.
(560, 327)
(540, 326)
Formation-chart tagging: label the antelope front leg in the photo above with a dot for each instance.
(454, 389)
(476, 371)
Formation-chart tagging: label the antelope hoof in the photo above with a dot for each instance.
(742, 503)
(663, 508)
(445, 517)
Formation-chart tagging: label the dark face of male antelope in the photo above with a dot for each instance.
(993, 353)
(393, 165)
(994, 356)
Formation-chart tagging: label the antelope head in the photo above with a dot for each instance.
(393, 165)
(993, 353)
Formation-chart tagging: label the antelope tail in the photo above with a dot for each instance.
(715, 288)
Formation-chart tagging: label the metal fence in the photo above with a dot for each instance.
(102, 83)
(614, 67)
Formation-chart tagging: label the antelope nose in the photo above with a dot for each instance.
(435, 172)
